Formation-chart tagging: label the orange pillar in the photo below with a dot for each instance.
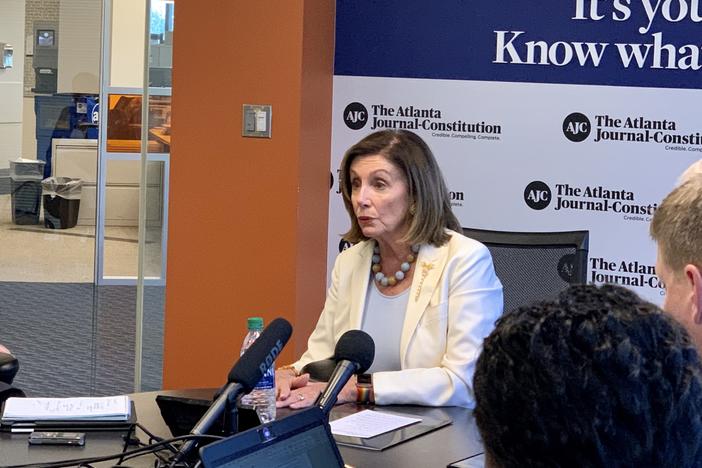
(248, 216)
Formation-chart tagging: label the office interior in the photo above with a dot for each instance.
(71, 262)
(152, 286)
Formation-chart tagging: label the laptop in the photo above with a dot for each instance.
(301, 440)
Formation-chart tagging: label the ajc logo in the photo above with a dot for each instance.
(537, 195)
(566, 267)
(355, 116)
(576, 127)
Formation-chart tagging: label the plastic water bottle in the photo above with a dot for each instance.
(262, 397)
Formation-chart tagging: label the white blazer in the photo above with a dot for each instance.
(455, 299)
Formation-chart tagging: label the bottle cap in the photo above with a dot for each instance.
(255, 323)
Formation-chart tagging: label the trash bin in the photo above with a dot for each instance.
(61, 201)
(25, 187)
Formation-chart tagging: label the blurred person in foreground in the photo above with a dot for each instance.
(694, 169)
(677, 229)
(596, 378)
(424, 292)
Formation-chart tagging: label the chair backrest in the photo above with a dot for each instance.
(535, 265)
(9, 365)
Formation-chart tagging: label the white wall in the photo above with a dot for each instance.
(79, 46)
(11, 32)
(127, 61)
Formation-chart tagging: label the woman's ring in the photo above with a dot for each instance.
(300, 396)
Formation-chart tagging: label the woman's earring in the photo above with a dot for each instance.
(412, 209)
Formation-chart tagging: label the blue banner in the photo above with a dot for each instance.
(652, 43)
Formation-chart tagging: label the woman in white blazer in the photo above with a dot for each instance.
(426, 294)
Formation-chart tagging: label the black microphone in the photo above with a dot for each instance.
(354, 354)
(243, 377)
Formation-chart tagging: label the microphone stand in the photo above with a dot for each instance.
(231, 416)
(223, 405)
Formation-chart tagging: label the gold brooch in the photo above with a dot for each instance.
(426, 268)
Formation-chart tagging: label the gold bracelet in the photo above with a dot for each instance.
(290, 367)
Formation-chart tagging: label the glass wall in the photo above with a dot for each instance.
(82, 275)
(155, 157)
(49, 118)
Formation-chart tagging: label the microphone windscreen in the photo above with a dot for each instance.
(356, 346)
(256, 360)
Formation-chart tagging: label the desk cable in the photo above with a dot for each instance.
(122, 456)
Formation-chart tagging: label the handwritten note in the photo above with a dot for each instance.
(113, 408)
(368, 423)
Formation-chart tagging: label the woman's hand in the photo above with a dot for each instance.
(286, 380)
(303, 397)
(348, 393)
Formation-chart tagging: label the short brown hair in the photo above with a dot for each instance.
(427, 190)
(677, 225)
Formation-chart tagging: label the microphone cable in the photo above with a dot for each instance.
(124, 455)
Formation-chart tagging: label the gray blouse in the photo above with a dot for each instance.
(383, 318)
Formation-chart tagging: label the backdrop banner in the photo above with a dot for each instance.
(570, 115)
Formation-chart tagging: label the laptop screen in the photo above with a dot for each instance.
(302, 439)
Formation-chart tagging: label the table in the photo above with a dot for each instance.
(435, 449)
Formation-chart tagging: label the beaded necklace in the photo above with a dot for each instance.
(399, 275)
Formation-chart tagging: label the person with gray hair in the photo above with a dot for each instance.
(694, 169)
(424, 292)
(677, 229)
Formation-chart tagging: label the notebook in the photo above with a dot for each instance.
(73, 414)
(301, 440)
(113, 408)
(421, 425)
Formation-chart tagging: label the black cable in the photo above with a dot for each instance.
(127, 439)
(127, 454)
(156, 453)
(153, 437)
(151, 440)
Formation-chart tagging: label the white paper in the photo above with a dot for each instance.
(113, 408)
(368, 423)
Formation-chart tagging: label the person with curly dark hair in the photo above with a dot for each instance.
(595, 378)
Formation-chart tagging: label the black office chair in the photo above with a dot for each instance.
(320, 371)
(9, 365)
(535, 265)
